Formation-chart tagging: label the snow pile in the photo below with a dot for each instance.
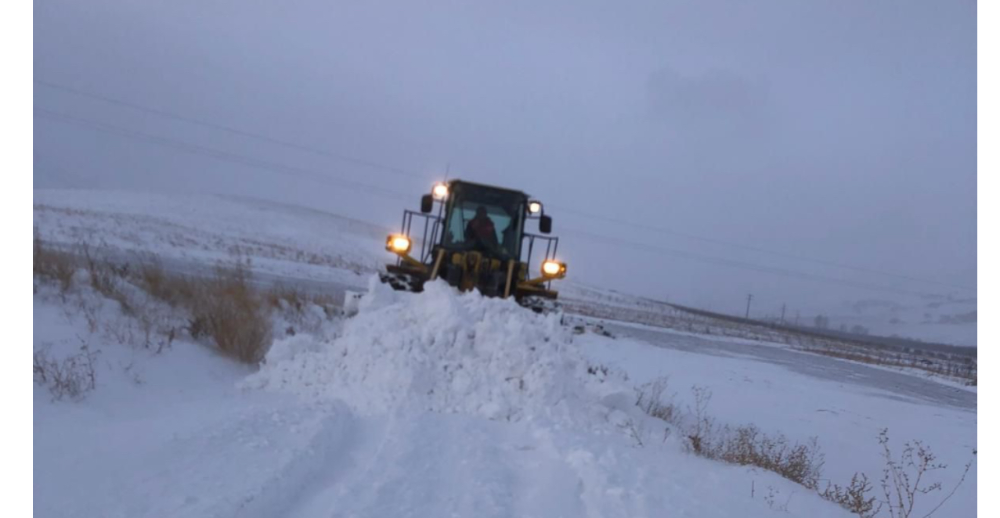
(447, 352)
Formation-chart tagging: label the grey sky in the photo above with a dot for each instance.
(840, 130)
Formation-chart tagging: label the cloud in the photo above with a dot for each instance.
(716, 101)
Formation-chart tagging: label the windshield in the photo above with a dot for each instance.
(485, 219)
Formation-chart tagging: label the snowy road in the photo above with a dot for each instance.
(878, 382)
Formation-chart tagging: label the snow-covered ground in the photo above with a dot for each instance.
(197, 230)
(843, 404)
(432, 405)
(440, 404)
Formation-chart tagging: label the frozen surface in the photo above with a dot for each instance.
(843, 404)
(196, 231)
(186, 433)
(432, 405)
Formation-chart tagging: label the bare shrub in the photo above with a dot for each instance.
(903, 479)
(227, 310)
(854, 497)
(106, 277)
(72, 377)
(52, 264)
(635, 431)
(699, 433)
(749, 446)
(175, 290)
(650, 400)
(151, 277)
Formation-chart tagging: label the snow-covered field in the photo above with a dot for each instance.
(436, 404)
(196, 230)
(185, 433)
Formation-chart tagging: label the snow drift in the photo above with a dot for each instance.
(447, 352)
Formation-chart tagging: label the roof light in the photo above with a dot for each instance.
(534, 207)
(440, 191)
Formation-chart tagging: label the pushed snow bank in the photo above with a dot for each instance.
(447, 352)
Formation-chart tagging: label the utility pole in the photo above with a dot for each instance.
(782, 313)
(749, 298)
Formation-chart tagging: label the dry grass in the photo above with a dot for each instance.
(650, 400)
(229, 311)
(743, 445)
(175, 290)
(225, 309)
(71, 377)
(902, 483)
(854, 497)
(107, 278)
(53, 265)
(748, 446)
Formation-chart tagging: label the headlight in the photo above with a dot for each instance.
(553, 269)
(534, 207)
(440, 191)
(398, 244)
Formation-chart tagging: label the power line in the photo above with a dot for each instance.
(396, 195)
(217, 154)
(645, 247)
(754, 249)
(230, 129)
(400, 171)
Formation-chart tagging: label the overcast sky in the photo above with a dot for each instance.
(843, 131)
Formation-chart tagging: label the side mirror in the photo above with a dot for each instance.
(426, 203)
(545, 224)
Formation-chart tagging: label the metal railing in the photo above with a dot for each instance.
(551, 247)
(431, 224)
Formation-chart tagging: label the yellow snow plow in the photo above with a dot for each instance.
(473, 237)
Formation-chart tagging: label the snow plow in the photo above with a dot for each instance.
(473, 237)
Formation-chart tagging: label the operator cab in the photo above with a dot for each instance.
(487, 219)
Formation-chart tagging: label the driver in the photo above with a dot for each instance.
(481, 228)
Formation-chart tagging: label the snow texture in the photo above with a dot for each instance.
(437, 404)
(445, 352)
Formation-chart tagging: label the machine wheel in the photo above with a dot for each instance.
(401, 282)
(540, 305)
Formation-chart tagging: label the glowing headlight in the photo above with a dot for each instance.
(440, 191)
(534, 207)
(553, 269)
(398, 244)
